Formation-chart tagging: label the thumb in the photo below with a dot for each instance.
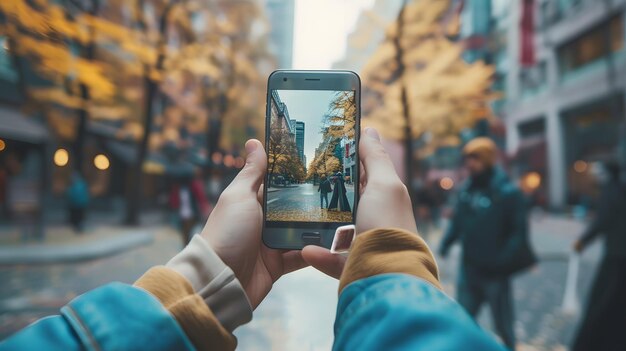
(376, 161)
(251, 175)
(324, 261)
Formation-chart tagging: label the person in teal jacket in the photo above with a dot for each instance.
(390, 295)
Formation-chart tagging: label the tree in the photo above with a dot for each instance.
(283, 154)
(341, 117)
(338, 124)
(130, 61)
(417, 83)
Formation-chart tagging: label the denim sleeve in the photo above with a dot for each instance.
(113, 317)
(402, 312)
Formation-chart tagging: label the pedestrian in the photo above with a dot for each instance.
(324, 188)
(77, 200)
(604, 322)
(189, 203)
(490, 220)
(210, 288)
(339, 200)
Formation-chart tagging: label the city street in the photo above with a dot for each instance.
(301, 202)
(283, 321)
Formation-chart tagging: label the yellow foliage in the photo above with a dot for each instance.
(444, 93)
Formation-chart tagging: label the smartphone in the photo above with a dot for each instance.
(312, 132)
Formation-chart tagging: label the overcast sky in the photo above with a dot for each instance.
(321, 28)
(308, 106)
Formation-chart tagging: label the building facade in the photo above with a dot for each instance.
(279, 113)
(349, 160)
(280, 14)
(368, 33)
(300, 129)
(561, 66)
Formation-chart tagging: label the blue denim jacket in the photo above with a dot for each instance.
(401, 312)
(113, 317)
(384, 312)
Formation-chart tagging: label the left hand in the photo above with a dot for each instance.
(234, 231)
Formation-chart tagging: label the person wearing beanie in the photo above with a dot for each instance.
(490, 220)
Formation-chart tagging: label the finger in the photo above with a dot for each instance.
(251, 175)
(322, 260)
(259, 194)
(376, 162)
(293, 261)
(362, 178)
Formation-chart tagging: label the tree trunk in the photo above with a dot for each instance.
(151, 88)
(404, 102)
(88, 53)
(135, 189)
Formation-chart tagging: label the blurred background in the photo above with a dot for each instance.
(108, 108)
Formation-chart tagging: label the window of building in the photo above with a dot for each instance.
(591, 133)
(7, 72)
(533, 79)
(593, 45)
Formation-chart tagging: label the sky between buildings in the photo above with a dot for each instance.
(308, 106)
(321, 29)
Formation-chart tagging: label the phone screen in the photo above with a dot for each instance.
(312, 160)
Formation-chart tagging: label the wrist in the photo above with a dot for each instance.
(214, 281)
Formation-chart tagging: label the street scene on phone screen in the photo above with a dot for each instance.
(311, 156)
(122, 124)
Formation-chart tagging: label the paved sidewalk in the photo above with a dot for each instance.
(103, 241)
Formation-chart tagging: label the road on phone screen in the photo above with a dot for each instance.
(301, 202)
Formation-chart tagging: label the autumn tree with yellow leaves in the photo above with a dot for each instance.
(339, 124)
(416, 82)
(201, 61)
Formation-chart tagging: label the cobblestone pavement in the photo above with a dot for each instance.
(29, 292)
(298, 314)
(302, 203)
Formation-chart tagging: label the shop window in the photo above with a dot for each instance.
(533, 79)
(592, 45)
(7, 72)
(591, 135)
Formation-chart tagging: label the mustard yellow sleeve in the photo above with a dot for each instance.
(381, 251)
(188, 308)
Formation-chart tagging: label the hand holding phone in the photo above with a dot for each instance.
(312, 130)
(233, 231)
(384, 203)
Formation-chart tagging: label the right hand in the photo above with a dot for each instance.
(384, 202)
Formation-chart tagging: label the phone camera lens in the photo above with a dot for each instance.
(284, 79)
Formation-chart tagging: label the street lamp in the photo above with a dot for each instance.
(446, 183)
(61, 157)
(101, 162)
(580, 166)
(3, 145)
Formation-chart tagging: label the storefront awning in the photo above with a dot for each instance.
(14, 125)
(124, 151)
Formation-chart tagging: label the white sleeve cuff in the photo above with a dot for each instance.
(214, 281)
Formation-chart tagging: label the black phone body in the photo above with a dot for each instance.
(312, 117)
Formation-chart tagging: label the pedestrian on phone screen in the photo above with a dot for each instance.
(324, 188)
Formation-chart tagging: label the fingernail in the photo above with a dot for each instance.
(251, 146)
(373, 133)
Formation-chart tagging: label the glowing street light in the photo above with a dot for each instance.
(532, 180)
(446, 183)
(3, 145)
(61, 157)
(101, 162)
(239, 162)
(580, 166)
(229, 161)
(216, 158)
